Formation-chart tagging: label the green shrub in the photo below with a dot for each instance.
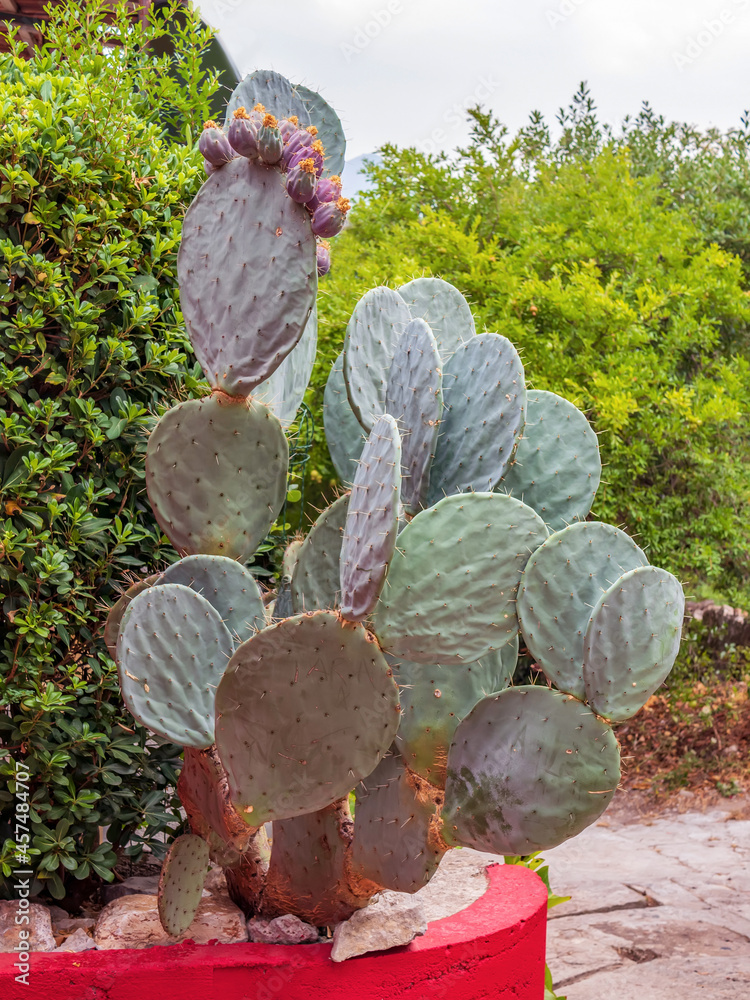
(92, 344)
(615, 299)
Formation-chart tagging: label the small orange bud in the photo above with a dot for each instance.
(325, 244)
(270, 122)
(210, 124)
(293, 119)
(343, 205)
(312, 130)
(260, 109)
(307, 165)
(336, 180)
(318, 147)
(240, 113)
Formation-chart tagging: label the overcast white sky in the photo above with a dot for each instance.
(402, 70)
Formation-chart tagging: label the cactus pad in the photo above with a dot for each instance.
(484, 395)
(183, 876)
(225, 584)
(527, 770)
(397, 843)
(285, 388)
(248, 274)
(556, 468)
(378, 320)
(371, 521)
(414, 398)
(273, 91)
(173, 649)
(344, 435)
(330, 129)
(632, 641)
(435, 698)
(216, 475)
(316, 578)
(114, 618)
(305, 709)
(450, 592)
(444, 308)
(561, 584)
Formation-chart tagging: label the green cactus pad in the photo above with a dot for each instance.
(305, 709)
(309, 870)
(397, 843)
(228, 586)
(371, 521)
(269, 88)
(330, 129)
(561, 583)
(436, 697)
(316, 578)
(378, 320)
(484, 395)
(556, 468)
(285, 388)
(216, 475)
(632, 641)
(116, 612)
(248, 274)
(173, 649)
(183, 876)
(450, 592)
(445, 309)
(527, 770)
(344, 435)
(414, 398)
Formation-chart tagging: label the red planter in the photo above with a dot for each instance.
(493, 948)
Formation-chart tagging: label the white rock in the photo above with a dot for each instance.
(287, 929)
(79, 940)
(133, 922)
(68, 925)
(39, 927)
(390, 920)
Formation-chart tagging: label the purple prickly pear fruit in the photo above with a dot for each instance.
(209, 167)
(270, 143)
(288, 126)
(329, 218)
(243, 134)
(302, 181)
(300, 140)
(323, 256)
(214, 145)
(328, 189)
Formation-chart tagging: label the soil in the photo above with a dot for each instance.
(687, 748)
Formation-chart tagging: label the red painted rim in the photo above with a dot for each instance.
(507, 923)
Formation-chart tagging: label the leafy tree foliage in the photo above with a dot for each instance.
(92, 345)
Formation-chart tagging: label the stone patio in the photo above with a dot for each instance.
(660, 908)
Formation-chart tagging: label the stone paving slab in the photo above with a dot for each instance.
(660, 909)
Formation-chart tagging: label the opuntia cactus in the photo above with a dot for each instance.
(385, 667)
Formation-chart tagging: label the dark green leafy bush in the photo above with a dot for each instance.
(92, 345)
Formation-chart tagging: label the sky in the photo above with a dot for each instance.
(404, 71)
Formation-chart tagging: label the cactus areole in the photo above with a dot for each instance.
(386, 668)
